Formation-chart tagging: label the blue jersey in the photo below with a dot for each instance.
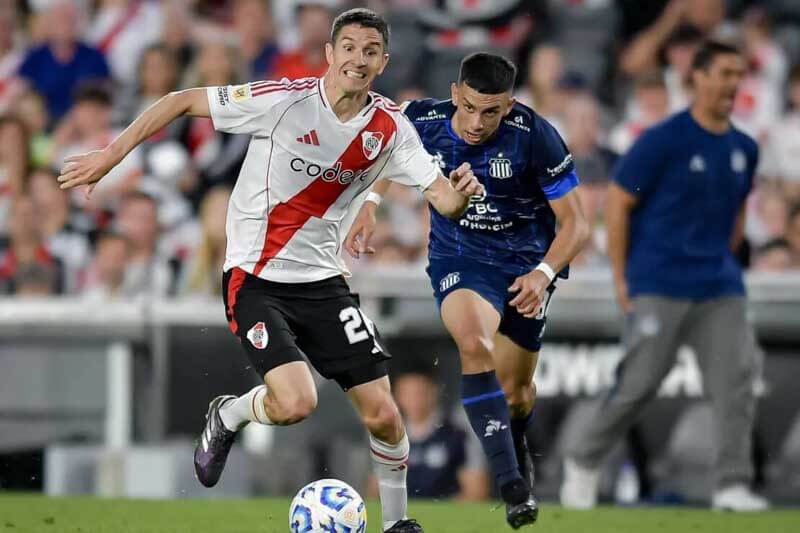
(690, 185)
(523, 166)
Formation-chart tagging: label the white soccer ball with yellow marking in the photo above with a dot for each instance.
(328, 506)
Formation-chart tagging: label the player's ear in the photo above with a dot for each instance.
(329, 53)
(384, 63)
(454, 93)
(511, 102)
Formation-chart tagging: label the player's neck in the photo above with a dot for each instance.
(344, 105)
(709, 121)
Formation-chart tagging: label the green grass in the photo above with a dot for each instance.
(35, 514)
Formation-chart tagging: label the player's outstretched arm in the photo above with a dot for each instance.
(572, 234)
(451, 198)
(89, 168)
(357, 240)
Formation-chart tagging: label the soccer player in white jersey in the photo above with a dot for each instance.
(317, 146)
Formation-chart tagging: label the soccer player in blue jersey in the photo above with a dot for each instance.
(675, 214)
(493, 270)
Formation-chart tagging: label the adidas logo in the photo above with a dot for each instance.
(309, 138)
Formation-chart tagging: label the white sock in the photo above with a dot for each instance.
(390, 461)
(246, 408)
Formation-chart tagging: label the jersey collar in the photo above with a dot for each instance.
(327, 105)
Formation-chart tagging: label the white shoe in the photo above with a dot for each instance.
(738, 498)
(580, 486)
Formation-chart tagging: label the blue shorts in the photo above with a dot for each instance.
(492, 284)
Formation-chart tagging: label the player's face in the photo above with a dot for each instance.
(717, 85)
(478, 115)
(357, 57)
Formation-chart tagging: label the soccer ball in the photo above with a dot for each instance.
(328, 506)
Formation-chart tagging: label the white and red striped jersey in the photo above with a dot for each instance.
(306, 174)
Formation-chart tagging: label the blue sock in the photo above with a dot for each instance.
(485, 404)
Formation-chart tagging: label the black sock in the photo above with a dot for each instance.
(485, 404)
(519, 428)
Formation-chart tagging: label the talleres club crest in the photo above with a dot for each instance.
(371, 143)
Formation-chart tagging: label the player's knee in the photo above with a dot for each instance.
(293, 410)
(475, 348)
(384, 421)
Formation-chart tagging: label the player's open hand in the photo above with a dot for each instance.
(357, 240)
(85, 169)
(531, 289)
(465, 182)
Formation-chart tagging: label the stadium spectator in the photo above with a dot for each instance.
(202, 270)
(674, 216)
(35, 280)
(105, 277)
(88, 126)
(148, 272)
(158, 74)
(774, 256)
(759, 101)
(444, 461)
(57, 67)
(14, 163)
(177, 35)
(313, 23)
(25, 246)
(586, 33)
(121, 30)
(64, 240)
(781, 161)
(542, 91)
(793, 236)
(11, 54)
(253, 24)
(642, 53)
(31, 109)
(767, 215)
(217, 156)
(650, 104)
(593, 163)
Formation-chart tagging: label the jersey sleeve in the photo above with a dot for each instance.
(555, 168)
(637, 171)
(410, 164)
(244, 108)
(752, 166)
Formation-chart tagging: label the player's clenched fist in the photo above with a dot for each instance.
(531, 289)
(464, 181)
(85, 169)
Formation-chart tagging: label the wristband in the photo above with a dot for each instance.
(374, 197)
(545, 269)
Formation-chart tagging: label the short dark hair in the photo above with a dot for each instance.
(93, 93)
(487, 73)
(709, 51)
(361, 17)
(136, 195)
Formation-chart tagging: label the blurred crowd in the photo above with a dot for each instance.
(74, 73)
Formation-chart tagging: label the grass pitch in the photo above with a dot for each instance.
(37, 514)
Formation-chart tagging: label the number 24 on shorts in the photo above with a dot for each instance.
(358, 327)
